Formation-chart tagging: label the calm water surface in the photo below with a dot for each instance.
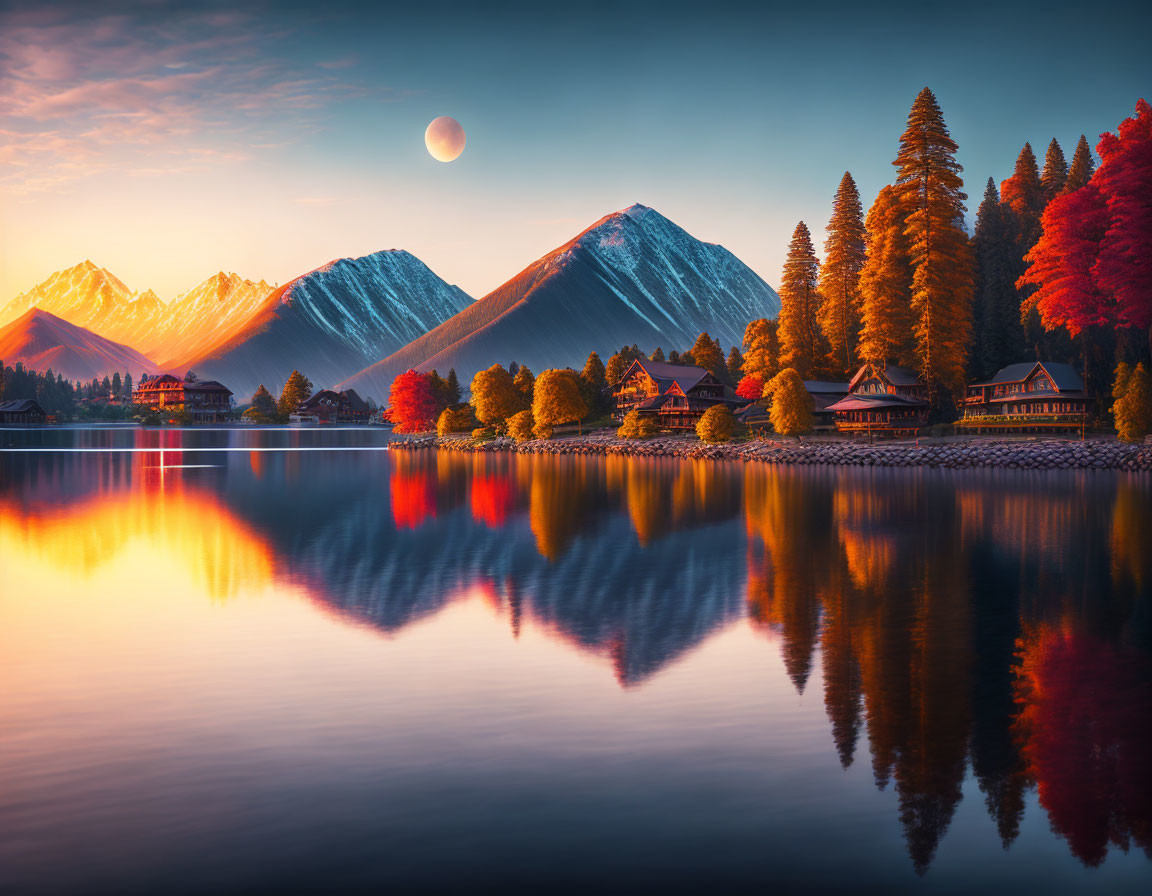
(272, 669)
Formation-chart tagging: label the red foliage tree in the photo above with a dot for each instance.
(1091, 262)
(750, 387)
(412, 402)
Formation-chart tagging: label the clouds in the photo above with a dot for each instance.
(137, 91)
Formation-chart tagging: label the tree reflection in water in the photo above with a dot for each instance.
(995, 622)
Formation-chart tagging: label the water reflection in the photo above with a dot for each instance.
(994, 624)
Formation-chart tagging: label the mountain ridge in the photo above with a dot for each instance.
(40, 341)
(632, 276)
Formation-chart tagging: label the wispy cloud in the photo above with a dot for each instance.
(81, 94)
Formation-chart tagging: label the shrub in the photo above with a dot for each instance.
(791, 411)
(1133, 410)
(542, 430)
(636, 426)
(520, 424)
(483, 434)
(717, 424)
(458, 419)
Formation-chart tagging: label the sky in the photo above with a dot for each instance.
(167, 141)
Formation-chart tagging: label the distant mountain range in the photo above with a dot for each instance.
(333, 321)
(632, 277)
(194, 323)
(42, 341)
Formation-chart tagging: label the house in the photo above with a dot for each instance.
(1032, 395)
(824, 395)
(335, 407)
(206, 400)
(22, 411)
(886, 399)
(677, 395)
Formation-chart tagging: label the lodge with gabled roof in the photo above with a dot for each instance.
(336, 407)
(21, 412)
(207, 401)
(885, 399)
(1031, 395)
(677, 395)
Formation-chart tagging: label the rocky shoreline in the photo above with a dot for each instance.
(1023, 454)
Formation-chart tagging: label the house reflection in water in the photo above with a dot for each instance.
(987, 622)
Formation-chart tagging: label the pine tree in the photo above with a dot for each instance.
(657, 355)
(263, 403)
(1082, 168)
(735, 365)
(1055, 173)
(886, 285)
(1024, 195)
(801, 342)
(452, 387)
(932, 197)
(998, 337)
(844, 258)
(762, 349)
(594, 384)
(117, 385)
(524, 381)
(706, 353)
(128, 389)
(297, 389)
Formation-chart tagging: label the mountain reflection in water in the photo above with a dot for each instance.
(995, 624)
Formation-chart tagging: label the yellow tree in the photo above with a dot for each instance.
(761, 349)
(707, 353)
(716, 424)
(839, 313)
(791, 411)
(556, 400)
(886, 285)
(1132, 411)
(495, 397)
(801, 342)
(932, 197)
(520, 425)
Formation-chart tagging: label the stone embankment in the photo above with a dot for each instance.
(1023, 454)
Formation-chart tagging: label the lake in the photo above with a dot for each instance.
(266, 660)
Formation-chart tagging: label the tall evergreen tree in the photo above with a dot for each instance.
(1082, 168)
(657, 355)
(844, 257)
(886, 285)
(735, 364)
(1055, 173)
(762, 349)
(594, 384)
(128, 387)
(998, 338)
(1024, 195)
(801, 343)
(117, 385)
(452, 387)
(932, 196)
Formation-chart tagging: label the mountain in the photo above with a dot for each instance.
(332, 322)
(41, 340)
(632, 277)
(85, 295)
(207, 317)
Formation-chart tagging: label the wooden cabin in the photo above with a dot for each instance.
(22, 412)
(824, 394)
(336, 407)
(1026, 397)
(883, 399)
(206, 400)
(677, 395)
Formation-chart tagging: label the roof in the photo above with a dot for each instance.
(823, 386)
(20, 405)
(355, 402)
(665, 374)
(867, 401)
(1063, 375)
(892, 373)
(206, 386)
(1031, 396)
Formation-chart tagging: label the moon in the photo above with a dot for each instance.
(444, 139)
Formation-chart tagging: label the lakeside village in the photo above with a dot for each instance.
(908, 328)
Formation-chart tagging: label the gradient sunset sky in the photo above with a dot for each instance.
(167, 141)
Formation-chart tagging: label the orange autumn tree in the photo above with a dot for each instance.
(839, 313)
(932, 198)
(801, 342)
(412, 403)
(885, 285)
